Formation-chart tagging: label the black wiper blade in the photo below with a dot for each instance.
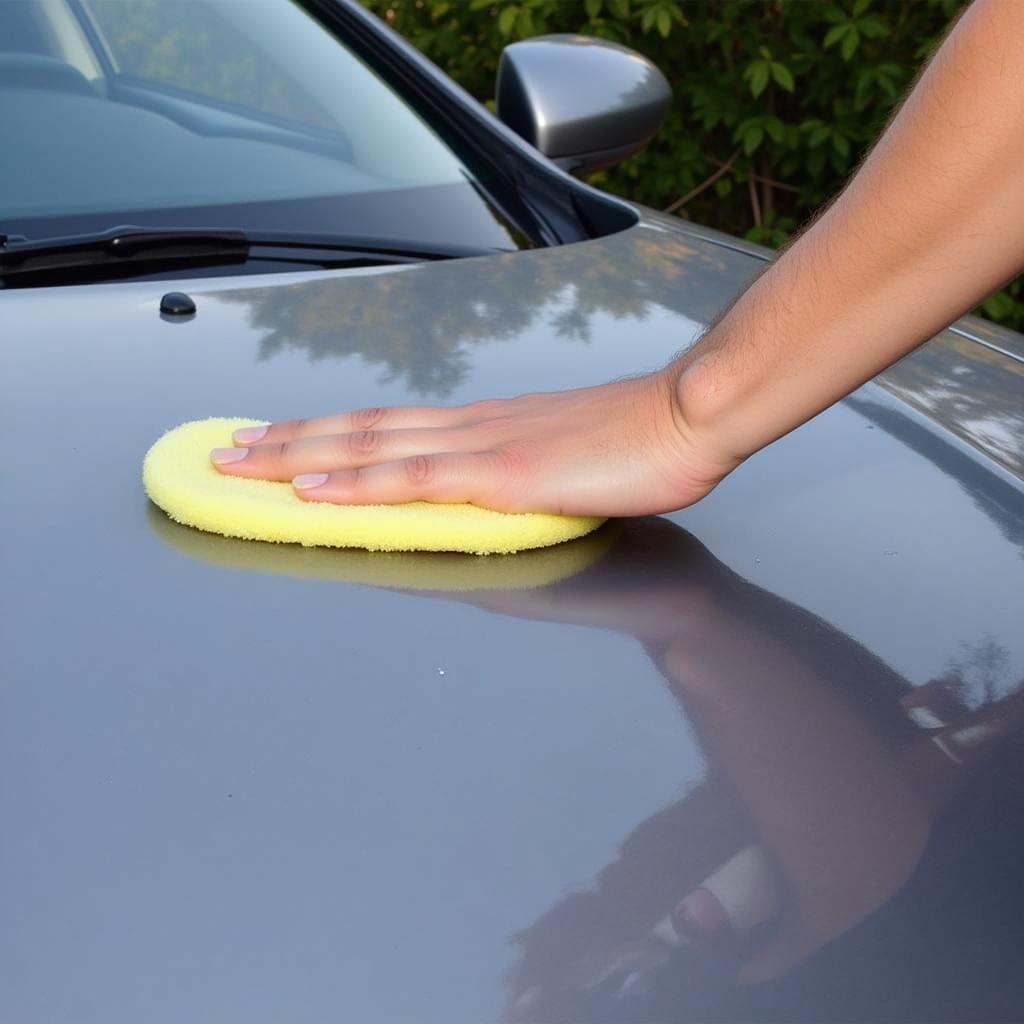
(131, 245)
(128, 242)
(388, 250)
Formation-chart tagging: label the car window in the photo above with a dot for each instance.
(233, 113)
(191, 46)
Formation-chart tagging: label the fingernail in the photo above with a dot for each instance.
(742, 894)
(700, 917)
(308, 480)
(224, 456)
(924, 717)
(249, 435)
(666, 931)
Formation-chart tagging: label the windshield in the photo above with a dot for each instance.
(235, 113)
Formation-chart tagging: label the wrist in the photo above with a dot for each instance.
(705, 409)
(696, 456)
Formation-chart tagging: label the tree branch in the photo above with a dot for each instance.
(755, 203)
(764, 179)
(774, 182)
(705, 184)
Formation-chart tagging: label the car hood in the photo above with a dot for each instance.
(247, 782)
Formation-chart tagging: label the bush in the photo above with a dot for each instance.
(775, 102)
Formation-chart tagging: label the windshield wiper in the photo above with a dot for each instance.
(200, 246)
(20, 255)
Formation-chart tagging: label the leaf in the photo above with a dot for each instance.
(593, 8)
(723, 187)
(887, 76)
(850, 42)
(783, 76)
(507, 19)
(841, 144)
(620, 8)
(872, 28)
(664, 22)
(998, 306)
(750, 134)
(820, 134)
(860, 6)
(757, 74)
(862, 91)
(837, 32)
(775, 128)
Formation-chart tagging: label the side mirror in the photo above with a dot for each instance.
(586, 103)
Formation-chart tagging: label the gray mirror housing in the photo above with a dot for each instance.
(583, 102)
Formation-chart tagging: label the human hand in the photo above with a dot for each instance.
(614, 450)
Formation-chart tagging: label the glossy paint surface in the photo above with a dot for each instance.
(248, 783)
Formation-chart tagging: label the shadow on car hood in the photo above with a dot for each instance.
(248, 783)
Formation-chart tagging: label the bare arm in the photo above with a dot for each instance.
(932, 222)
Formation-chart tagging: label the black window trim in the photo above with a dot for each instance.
(550, 206)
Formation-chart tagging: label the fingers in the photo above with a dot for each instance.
(360, 420)
(285, 460)
(454, 477)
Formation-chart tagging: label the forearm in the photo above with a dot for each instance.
(932, 223)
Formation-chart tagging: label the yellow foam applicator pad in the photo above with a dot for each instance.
(179, 477)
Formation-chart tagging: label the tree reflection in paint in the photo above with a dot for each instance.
(420, 324)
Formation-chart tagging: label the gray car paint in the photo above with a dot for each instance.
(245, 783)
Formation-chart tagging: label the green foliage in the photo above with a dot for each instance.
(786, 94)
